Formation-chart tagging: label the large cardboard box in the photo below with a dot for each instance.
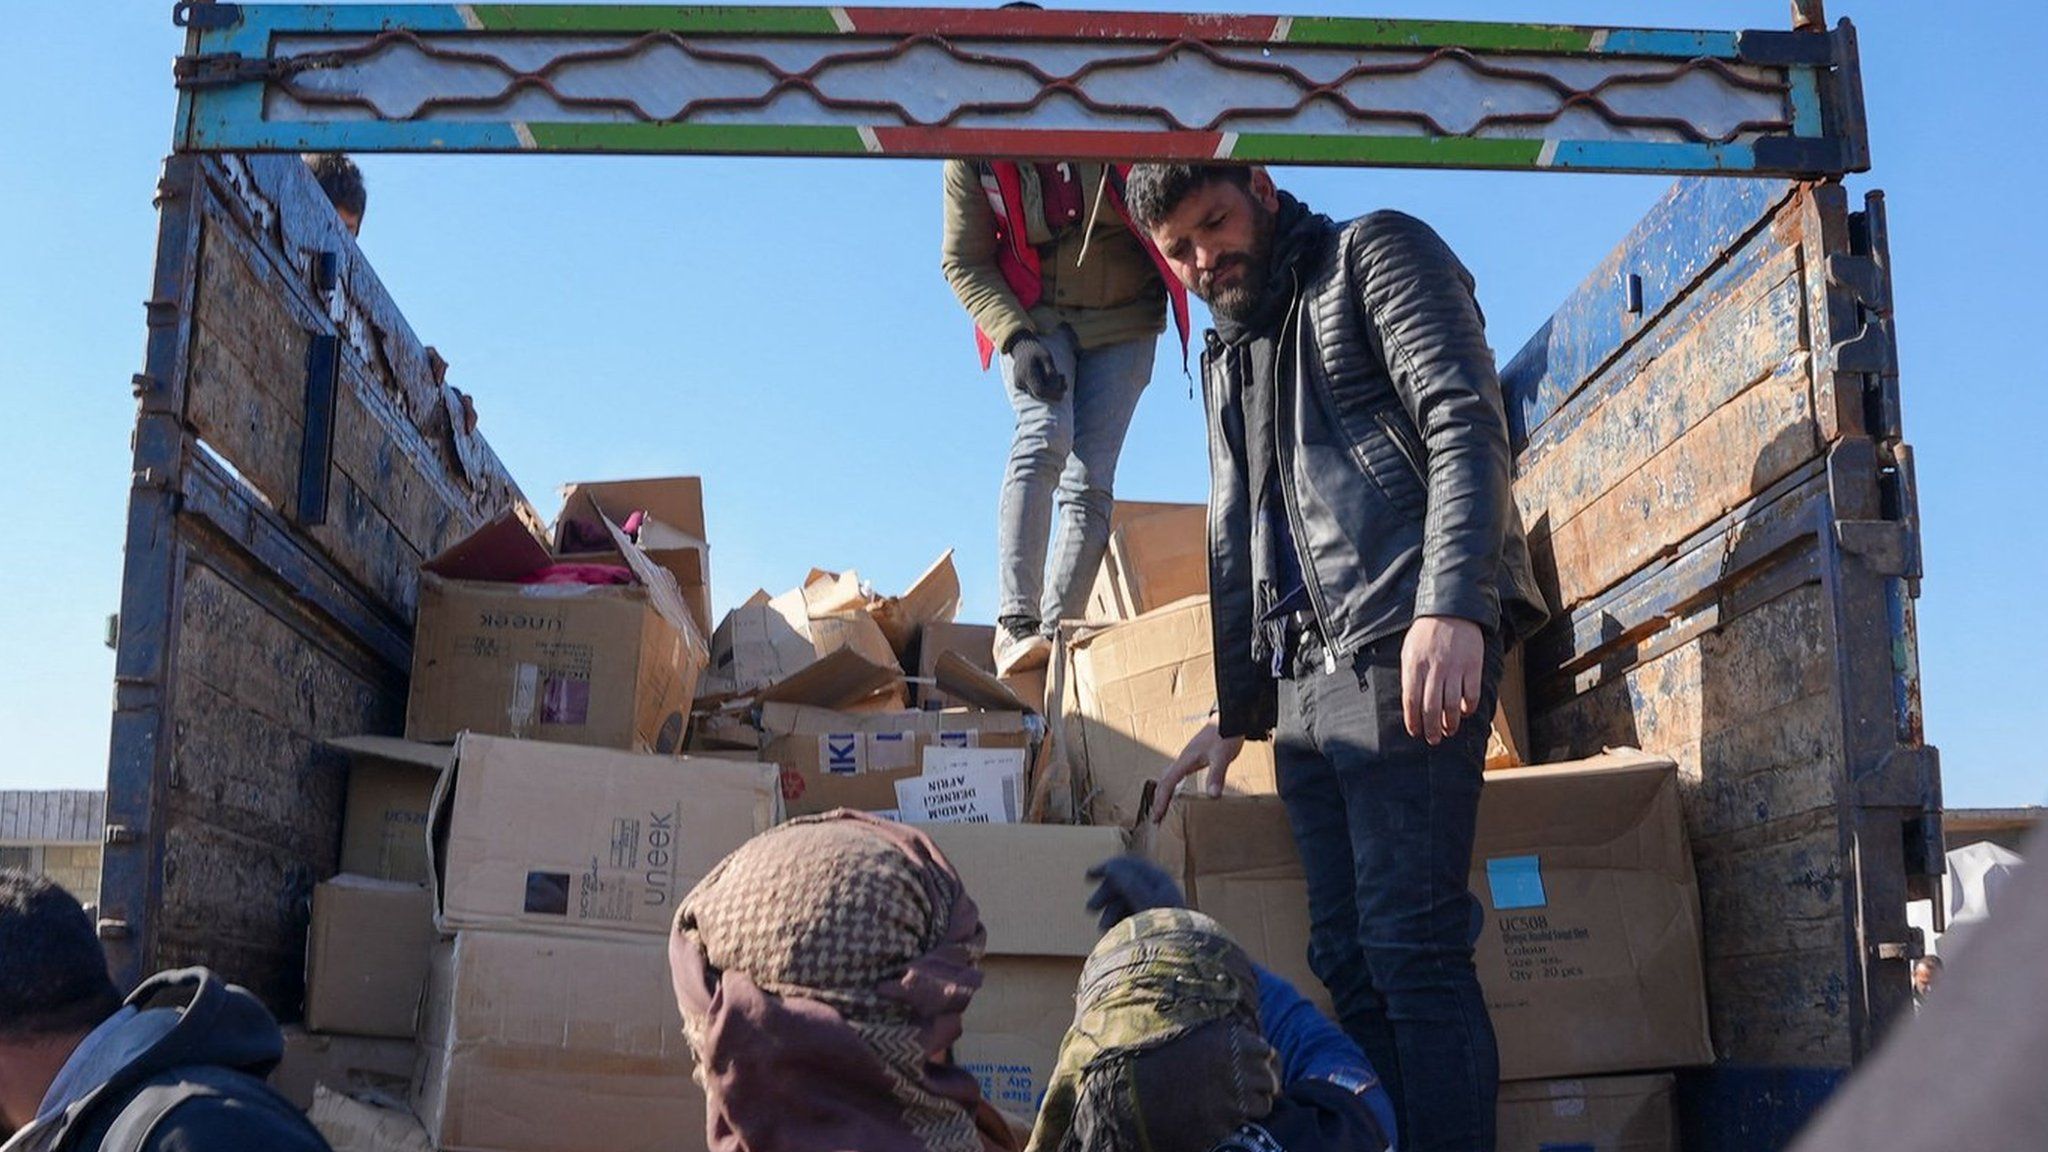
(367, 954)
(1141, 689)
(539, 1043)
(1238, 863)
(557, 838)
(1157, 554)
(831, 759)
(612, 666)
(672, 534)
(767, 640)
(1030, 883)
(1590, 949)
(344, 1063)
(1606, 1114)
(932, 599)
(384, 819)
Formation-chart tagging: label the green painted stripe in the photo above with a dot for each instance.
(1402, 151)
(730, 139)
(1366, 32)
(654, 18)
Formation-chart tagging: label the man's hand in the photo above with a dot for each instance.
(1205, 750)
(1035, 370)
(1442, 664)
(1130, 885)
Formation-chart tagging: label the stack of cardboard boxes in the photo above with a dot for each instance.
(579, 756)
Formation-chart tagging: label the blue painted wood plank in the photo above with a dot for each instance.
(1684, 236)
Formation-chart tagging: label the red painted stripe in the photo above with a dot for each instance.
(1027, 22)
(1047, 144)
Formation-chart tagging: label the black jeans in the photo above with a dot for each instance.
(1385, 826)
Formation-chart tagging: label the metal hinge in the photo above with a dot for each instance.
(206, 15)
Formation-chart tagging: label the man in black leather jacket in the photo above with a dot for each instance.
(1366, 570)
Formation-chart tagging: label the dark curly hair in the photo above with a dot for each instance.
(1153, 191)
(53, 976)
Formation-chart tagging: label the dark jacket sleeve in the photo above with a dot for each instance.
(1421, 312)
(213, 1124)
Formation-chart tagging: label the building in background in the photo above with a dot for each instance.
(57, 833)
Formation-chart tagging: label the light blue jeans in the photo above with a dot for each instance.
(1065, 451)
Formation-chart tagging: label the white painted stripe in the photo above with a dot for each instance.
(842, 20)
(467, 13)
(1281, 28)
(1226, 146)
(1545, 158)
(869, 140)
(1599, 41)
(525, 135)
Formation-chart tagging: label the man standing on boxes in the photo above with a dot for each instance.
(1058, 280)
(1367, 568)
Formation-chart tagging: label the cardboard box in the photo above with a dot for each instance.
(1238, 863)
(1014, 1025)
(351, 1125)
(1608, 1114)
(556, 838)
(1507, 745)
(931, 600)
(384, 821)
(1590, 950)
(555, 1044)
(766, 641)
(1030, 883)
(831, 759)
(975, 643)
(1157, 554)
(367, 954)
(609, 666)
(349, 1064)
(674, 537)
(1141, 690)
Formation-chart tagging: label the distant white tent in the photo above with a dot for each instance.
(1978, 875)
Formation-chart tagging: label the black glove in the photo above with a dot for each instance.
(1034, 369)
(1129, 885)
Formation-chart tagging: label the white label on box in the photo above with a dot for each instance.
(525, 693)
(965, 739)
(839, 754)
(964, 786)
(891, 752)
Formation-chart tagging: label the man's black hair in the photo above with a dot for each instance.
(341, 180)
(1153, 191)
(53, 976)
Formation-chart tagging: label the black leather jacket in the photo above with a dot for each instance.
(1391, 450)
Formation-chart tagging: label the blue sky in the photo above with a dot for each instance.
(781, 328)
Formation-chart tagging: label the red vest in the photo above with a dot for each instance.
(1018, 260)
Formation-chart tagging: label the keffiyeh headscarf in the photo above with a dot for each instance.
(818, 968)
(1165, 1053)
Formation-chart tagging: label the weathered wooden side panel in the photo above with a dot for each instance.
(254, 627)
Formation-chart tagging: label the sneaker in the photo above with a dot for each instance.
(1021, 651)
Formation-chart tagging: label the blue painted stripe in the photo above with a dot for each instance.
(1669, 42)
(1806, 103)
(217, 128)
(1652, 156)
(265, 19)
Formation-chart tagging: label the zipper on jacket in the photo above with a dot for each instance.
(1289, 498)
(1399, 438)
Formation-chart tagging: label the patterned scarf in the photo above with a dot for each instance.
(1165, 1053)
(817, 968)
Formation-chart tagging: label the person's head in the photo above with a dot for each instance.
(1214, 225)
(343, 182)
(54, 988)
(1165, 1052)
(822, 970)
(1926, 971)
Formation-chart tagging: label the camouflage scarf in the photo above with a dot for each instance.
(817, 967)
(1165, 1053)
